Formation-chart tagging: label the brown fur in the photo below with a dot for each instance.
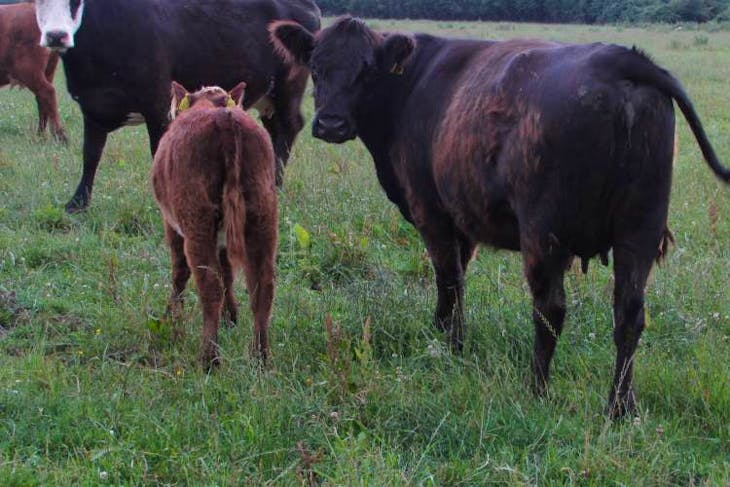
(25, 63)
(213, 173)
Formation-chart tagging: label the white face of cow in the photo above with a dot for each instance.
(58, 21)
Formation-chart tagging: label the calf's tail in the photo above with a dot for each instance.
(636, 66)
(234, 205)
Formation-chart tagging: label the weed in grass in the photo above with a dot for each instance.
(701, 40)
(676, 44)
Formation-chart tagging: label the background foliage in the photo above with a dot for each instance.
(569, 11)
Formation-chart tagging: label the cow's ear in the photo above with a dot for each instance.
(291, 41)
(237, 95)
(180, 99)
(395, 51)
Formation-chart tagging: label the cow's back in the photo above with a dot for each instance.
(533, 130)
(131, 49)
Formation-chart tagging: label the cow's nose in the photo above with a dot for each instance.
(331, 123)
(56, 38)
(331, 128)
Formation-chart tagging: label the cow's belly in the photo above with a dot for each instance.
(492, 224)
(108, 107)
(479, 206)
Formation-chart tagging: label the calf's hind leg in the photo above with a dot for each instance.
(202, 255)
(180, 271)
(261, 238)
(230, 308)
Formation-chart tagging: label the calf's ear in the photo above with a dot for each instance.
(237, 94)
(180, 99)
(395, 51)
(291, 41)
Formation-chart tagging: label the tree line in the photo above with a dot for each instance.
(557, 11)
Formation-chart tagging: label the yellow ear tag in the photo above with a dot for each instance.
(397, 69)
(184, 103)
(230, 103)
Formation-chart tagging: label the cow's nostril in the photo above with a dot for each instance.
(56, 37)
(331, 123)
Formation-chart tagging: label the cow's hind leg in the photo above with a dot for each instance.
(286, 121)
(45, 95)
(201, 251)
(631, 271)
(94, 141)
(544, 270)
(230, 308)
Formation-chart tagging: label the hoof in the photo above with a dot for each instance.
(621, 406)
(230, 317)
(76, 205)
(442, 325)
(210, 357)
(61, 137)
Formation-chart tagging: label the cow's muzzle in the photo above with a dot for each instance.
(57, 40)
(331, 128)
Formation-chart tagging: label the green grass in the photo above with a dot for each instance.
(94, 390)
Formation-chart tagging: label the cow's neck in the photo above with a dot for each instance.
(379, 117)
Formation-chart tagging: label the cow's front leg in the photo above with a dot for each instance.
(94, 141)
(283, 117)
(156, 123)
(444, 249)
(544, 271)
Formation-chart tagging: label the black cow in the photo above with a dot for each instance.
(554, 150)
(120, 57)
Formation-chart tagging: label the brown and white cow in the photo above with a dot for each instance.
(23, 62)
(554, 150)
(213, 178)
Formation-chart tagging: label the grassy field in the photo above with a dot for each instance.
(94, 389)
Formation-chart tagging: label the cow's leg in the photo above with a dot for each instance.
(631, 271)
(260, 241)
(544, 270)
(202, 254)
(45, 95)
(180, 271)
(445, 249)
(287, 120)
(466, 248)
(156, 125)
(230, 308)
(42, 115)
(94, 141)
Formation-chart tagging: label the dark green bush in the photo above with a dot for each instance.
(573, 11)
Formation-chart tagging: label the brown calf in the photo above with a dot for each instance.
(213, 178)
(23, 62)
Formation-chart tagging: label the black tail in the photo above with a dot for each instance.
(636, 66)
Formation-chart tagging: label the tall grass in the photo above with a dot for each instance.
(94, 389)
